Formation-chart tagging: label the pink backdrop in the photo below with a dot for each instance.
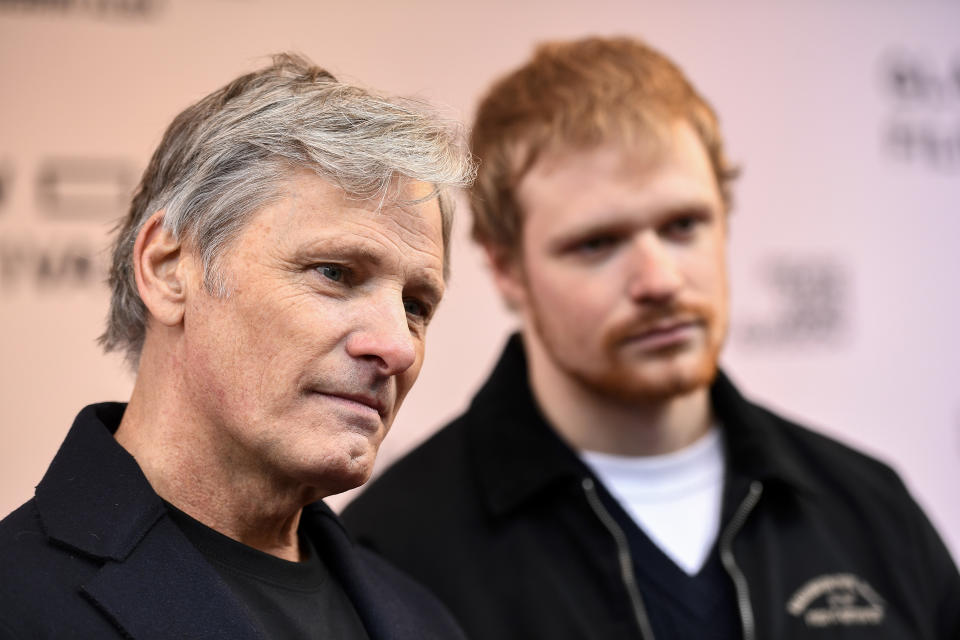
(845, 116)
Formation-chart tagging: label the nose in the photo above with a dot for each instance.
(654, 275)
(382, 336)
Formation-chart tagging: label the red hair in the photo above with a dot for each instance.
(577, 95)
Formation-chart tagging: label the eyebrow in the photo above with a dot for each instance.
(615, 222)
(419, 278)
(335, 247)
(592, 228)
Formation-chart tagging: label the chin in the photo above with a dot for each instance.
(349, 472)
(334, 471)
(628, 391)
(330, 482)
(653, 383)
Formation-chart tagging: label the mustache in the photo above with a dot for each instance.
(660, 317)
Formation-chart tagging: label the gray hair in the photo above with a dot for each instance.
(226, 156)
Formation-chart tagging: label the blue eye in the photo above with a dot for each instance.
(415, 308)
(332, 272)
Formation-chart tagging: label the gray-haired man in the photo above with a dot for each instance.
(272, 284)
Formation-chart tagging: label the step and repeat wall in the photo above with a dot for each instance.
(845, 117)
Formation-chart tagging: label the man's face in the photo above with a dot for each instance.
(621, 278)
(298, 371)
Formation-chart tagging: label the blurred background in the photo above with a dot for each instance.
(845, 117)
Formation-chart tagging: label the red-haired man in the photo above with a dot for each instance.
(607, 481)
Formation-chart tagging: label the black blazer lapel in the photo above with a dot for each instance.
(166, 589)
(391, 605)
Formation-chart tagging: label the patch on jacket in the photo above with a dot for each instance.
(837, 599)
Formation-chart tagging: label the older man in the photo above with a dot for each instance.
(607, 482)
(272, 284)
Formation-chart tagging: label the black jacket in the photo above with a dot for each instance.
(94, 555)
(500, 519)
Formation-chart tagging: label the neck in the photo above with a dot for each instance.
(191, 465)
(589, 420)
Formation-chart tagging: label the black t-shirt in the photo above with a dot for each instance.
(287, 599)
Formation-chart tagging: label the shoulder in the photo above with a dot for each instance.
(840, 485)
(831, 464)
(855, 493)
(765, 443)
(444, 451)
(846, 486)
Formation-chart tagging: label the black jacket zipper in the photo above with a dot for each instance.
(730, 563)
(726, 556)
(623, 557)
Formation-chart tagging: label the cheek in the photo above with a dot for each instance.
(242, 346)
(218, 376)
(719, 255)
(566, 293)
(712, 285)
(290, 325)
(706, 271)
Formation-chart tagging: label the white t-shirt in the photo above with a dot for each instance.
(675, 498)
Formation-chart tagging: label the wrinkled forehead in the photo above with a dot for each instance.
(418, 209)
(299, 203)
(404, 205)
(312, 221)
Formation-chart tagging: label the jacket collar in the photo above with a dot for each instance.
(519, 456)
(94, 497)
(757, 447)
(153, 583)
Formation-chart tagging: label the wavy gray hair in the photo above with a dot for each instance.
(226, 156)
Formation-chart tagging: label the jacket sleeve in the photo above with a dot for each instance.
(937, 572)
(947, 614)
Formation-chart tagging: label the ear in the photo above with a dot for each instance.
(159, 270)
(508, 276)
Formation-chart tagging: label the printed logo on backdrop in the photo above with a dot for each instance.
(923, 97)
(127, 9)
(75, 199)
(74, 262)
(799, 301)
(75, 188)
(837, 599)
(6, 184)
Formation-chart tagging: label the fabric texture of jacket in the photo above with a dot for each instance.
(95, 555)
(501, 520)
